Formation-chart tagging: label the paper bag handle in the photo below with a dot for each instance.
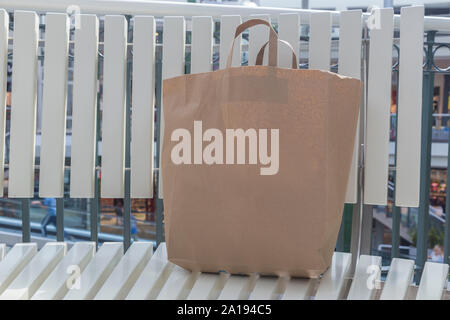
(260, 56)
(273, 37)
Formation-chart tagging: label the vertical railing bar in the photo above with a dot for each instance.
(395, 249)
(158, 202)
(26, 228)
(447, 212)
(127, 196)
(427, 117)
(95, 202)
(59, 219)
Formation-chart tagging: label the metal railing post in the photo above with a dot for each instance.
(26, 228)
(60, 219)
(425, 161)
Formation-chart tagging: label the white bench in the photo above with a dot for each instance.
(139, 275)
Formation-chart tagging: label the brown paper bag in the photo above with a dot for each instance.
(270, 202)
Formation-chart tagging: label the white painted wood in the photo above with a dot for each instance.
(238, 287)
(407, 178)
(113, 117)
(58, 283)
(84, 113)
(332, 284)
(365, 280)
(265, 288)
(153, 277)
(350, 38)
(378, 111)
(201, 44)
(398, 280)
(97, 271)
(2, 251)
(228, 26)
(23, 108)
(320, 41)
(172, 65)
(208, 286)
(125, 274)
(14, 262)
(178, 284)
(32, 276)
(257, 37)
(433, 281)
(143, 107)
(54, 107)
(4, 30)
(288, 30)
(298, 289)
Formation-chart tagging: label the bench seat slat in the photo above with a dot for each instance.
(359, 289)
(265, 288)
(97, 271)
(35, 272)
(14, 262)
(298, 289)
(433, 281)
(125, 274)
(398, 279)
(207, 286)
(238, 287)
(55, 287)
(179, 281)
(332, 284)
(153, 277)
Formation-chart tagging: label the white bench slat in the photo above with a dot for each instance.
(114, 95)
(23, 108)
(320, 41)
(238, 287)
(228, 26)
(178, 283)
(433, 281)
(366, 270)
(202, 44)
(409, 122)
(332, 284)
(55, 287)
(126, 272)
(2, 251)
(14, 262)
(97, 271)
(143, 107)
(298, 289)
(84, 113)
(153, 277)
(398, 279)
(350, 38)
(172, 65)
(53, 132)
(207, 286)
(4, 31)
(265, 288)
(257, 37)
(288, 30)
(32, 276)
(378, 110)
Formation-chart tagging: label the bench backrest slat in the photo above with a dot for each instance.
(4, 28)
(257, 37)
(53, 128)
(288, 30)
(84, 113)
(378, 110)
(23, 108)
(320, 41)
(228, 26)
